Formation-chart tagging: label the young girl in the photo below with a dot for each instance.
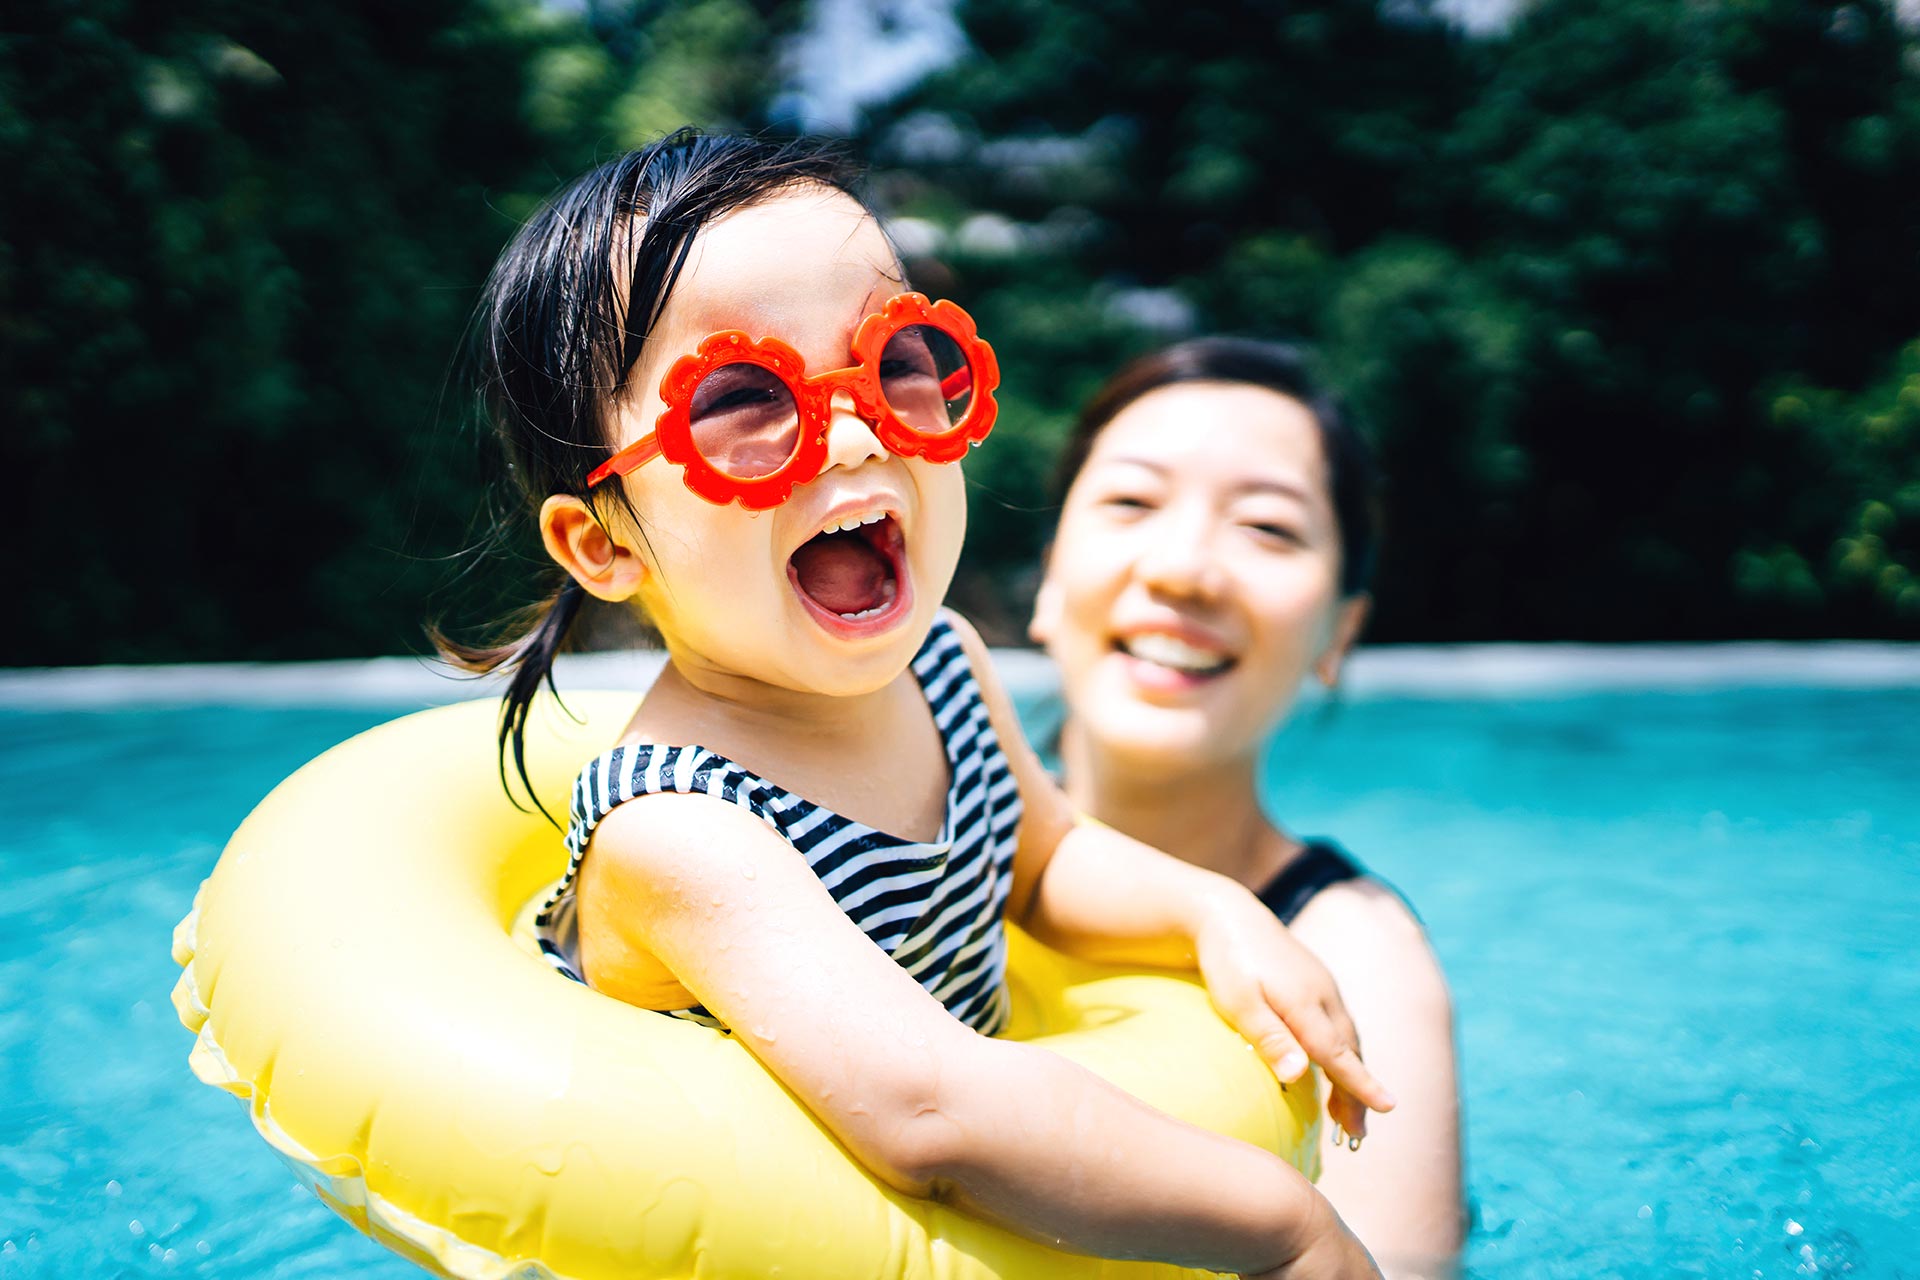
(729, 411)
(1214, 553)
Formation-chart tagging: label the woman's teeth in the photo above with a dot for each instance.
(1166, 651)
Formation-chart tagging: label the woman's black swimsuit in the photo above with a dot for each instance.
(1320, 864)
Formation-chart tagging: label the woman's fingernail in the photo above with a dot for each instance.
(1387, 1100)
(1291, 1066)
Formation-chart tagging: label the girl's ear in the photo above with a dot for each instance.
(1347, 626)
(587, 550)
(1046, 603)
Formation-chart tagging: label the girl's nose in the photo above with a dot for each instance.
(850, 438)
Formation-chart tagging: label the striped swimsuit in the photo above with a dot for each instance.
(934, 906)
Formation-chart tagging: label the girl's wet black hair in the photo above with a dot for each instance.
(562, 323)
(1351, 476)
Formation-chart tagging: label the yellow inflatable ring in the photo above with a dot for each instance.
(350, 971)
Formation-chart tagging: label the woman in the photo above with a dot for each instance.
(1214, 552)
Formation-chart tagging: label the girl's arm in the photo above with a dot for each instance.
(1401, 1192)
(1086, 888)
(1004, 1130)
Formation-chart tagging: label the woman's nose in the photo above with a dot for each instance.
(850, 437)
(1178, 557)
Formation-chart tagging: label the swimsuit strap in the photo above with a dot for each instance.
(1320, 864)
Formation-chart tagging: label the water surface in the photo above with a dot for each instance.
(1681, 931)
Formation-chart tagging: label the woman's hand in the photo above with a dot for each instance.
(1278, 995)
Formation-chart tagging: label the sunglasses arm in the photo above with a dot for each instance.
(635, 455)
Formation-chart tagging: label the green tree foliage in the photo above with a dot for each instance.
(238, 248)
(1850, 535)
(1622, 292)
(1562, 273)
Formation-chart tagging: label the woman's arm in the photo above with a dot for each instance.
(1003, 1129)
(1086, 888)
(1401, 1192)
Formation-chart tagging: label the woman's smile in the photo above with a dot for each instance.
(1172, 656)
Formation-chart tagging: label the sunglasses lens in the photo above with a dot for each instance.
(744, 421)
(925, 378)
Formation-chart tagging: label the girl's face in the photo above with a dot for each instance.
(1194, 580)
(782, 597)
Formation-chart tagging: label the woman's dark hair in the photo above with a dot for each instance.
(561, 324)
(1351, 477)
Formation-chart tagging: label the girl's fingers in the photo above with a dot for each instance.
(1346, 1071)
(1329, 1038)
(1249, 1013)
(1347, 1111)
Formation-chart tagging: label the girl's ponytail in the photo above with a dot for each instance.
(529, 656)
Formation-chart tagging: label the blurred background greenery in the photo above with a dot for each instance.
(1626, 291)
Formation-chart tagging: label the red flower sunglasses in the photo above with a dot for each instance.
(746, 424)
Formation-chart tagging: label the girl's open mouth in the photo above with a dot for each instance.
(854, 580)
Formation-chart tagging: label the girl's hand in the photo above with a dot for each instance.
(1087, 889)
(1278, 995)
(1329, 1252)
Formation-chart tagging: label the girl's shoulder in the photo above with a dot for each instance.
(631, 770)
(950, 644)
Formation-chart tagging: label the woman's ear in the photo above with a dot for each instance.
(1347, 625)
(587, 549)
(1046, 603)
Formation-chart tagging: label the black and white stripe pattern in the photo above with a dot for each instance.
(935, 907)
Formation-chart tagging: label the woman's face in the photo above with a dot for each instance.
(779, 596)
(1194, 580)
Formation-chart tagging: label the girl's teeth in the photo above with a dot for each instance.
(874, 612)
(854, 522)
(1166, 651)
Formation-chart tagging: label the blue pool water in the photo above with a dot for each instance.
(1681, 930)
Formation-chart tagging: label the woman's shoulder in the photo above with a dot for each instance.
(1366, 902)
(1364, 928)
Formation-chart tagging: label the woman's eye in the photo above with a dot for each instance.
(1278, 532)
(1126, 502)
